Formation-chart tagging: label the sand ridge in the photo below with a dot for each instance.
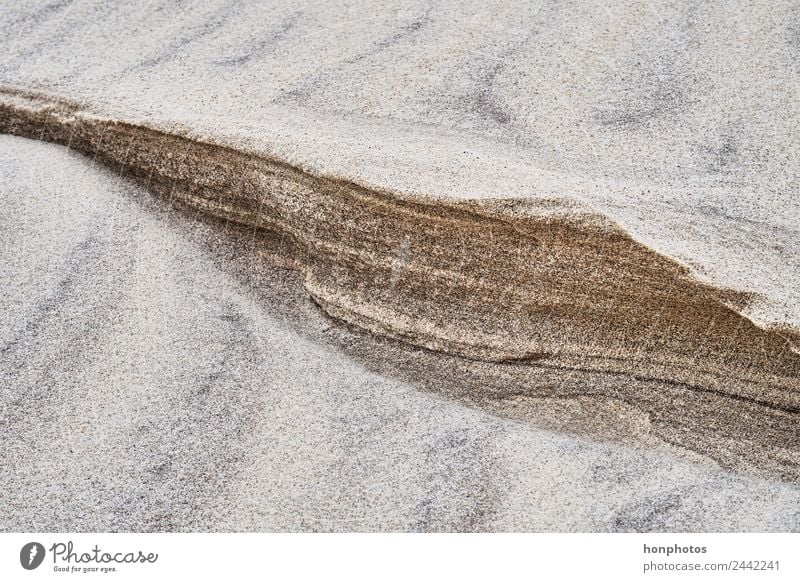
(484, 279)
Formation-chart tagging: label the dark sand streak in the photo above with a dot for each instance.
(511, 284)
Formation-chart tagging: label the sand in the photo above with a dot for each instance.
(580, 220)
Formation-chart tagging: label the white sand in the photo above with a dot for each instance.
(155, 375)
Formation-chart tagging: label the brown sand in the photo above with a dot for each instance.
(523, 287)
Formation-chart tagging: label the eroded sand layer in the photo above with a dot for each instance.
(680, 122)
(158, 374)
(501, 282)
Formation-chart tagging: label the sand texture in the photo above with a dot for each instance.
(549, 228)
